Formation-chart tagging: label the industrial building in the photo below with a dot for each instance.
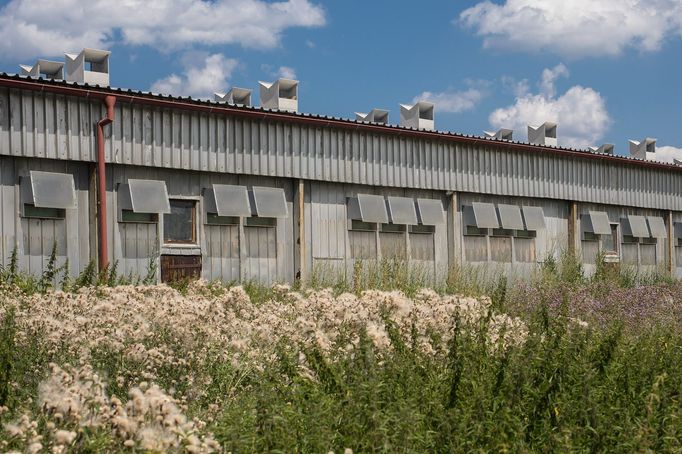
(229, 191)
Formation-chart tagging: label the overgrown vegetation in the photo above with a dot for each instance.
(560, 361)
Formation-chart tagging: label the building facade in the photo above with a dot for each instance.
(241, 193)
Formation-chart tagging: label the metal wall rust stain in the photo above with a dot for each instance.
(180, 267)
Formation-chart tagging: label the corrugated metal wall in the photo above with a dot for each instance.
(47, 125)
(34, 238)
(267, 255)
(332, 248)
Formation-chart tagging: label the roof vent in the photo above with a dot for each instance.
(91, 66)
(646, 149)
(281, 94)
(375, 116)
(545, 134)
(677, 162)
(46, 69)
(500, 134)
(418, 116)
(606, 148)
(240, 96)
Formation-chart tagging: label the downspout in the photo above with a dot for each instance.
(109, 101)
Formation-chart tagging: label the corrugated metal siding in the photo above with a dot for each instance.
(35, 124)
(34, 238)
(218, 244)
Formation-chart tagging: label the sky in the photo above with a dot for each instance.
(605, 70)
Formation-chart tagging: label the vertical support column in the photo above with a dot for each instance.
(300, 240)
(671, 243)
(573, 231)
(454, 232)
(242, 251)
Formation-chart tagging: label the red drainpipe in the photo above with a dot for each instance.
(109, 101)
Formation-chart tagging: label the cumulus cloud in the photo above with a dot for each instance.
(580, 112)
(668, 154)
(201, 81)
(286, 72)
(47, 28)
(575, 28)
(453, 101)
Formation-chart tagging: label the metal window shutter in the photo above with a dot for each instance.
(368, 208)
(430, 211)
(534, 218)
(269, 202)
(600, 223)
(485, 215)
(51, 190)
(148, 196)
(402, 210)
(657, 227)
(231, 200)
(510, 217)
(638, 227)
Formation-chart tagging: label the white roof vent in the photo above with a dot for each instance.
(545, 134)
(91, 66)
(606, 148)
(375, 116)
(418, 116)
(46, 69)
(240, 96)
(646, 149)
(500, 134)
(281, 94)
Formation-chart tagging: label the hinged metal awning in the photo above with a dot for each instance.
(430, 211)
(49, 190)
(144, 196)
(510, 216)
(269, 202)
(485, 215)
(657, 227)
(598, 223)
(637, 226)
(534, 218)
(368, 208)
(228, 200)
(402, 210)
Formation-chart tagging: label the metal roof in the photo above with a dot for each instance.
(185, 102)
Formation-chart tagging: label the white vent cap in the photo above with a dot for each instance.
(418, 116)
(240, 96)
(374, 116)
(500, 134)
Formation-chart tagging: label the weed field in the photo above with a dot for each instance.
(553, 364)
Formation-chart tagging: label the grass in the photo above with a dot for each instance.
(614, 386)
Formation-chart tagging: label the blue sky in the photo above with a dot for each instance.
(605, 70)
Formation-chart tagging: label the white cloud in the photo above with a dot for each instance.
(201, 81)
(286, 72)
(47, 28)
(668, 154)
(580, 112)
(453, 101)
(575, 28)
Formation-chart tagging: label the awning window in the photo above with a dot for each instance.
(657, 227)
(368, 208)
(144, 196)
(227, 200)
(635, 225)
(534, 218)
(510, 217)
(599, 223)
(430, 211)
(402, 211)
(485, 215)
(269, 202)
(48, 190)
